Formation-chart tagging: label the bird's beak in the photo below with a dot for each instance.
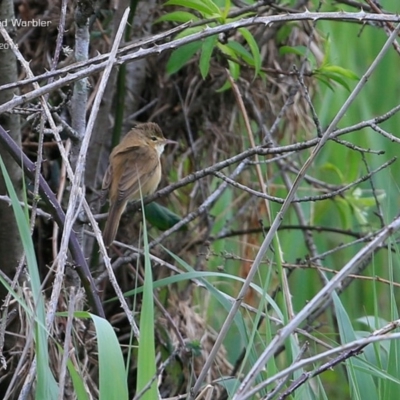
(169, 141)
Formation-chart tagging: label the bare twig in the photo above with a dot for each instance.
(60, 192)
(67, 342)
(39, 211)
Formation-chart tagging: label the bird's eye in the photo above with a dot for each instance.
(154, 138)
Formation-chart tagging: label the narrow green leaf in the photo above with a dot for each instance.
(325, 81)
(77, 382)
(241, 52)
(181, 56)
(225, 49)
(347, 73)
(362, 383)
(206, 53)
(253, 47)
(177, 16)
(337, 79)
(205, 7)
(112, 375)
(230, 384)
(234, 69)
(327, 50)
(200, 275)
(370, 369)
(298, 50)
(330, 167)
(212, 6)
(147, 367)
(227, 85)
(390, 389)
(226, 10)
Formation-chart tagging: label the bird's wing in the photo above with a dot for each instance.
(139, 167)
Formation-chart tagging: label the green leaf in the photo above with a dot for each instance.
(234, 69)
(147, 368)
(347, 73)
(390, 389)
(345, 212)
(336, 74)
(330, 167)
(253, 47)
(361, 383)
(205, 7)
(284, 32)
(77, 382)
(227, 85)
(225, 49)
(337, 79)
(241, 52)
(325, 81)
(227, 8)
(177, 16)
(230, 384)
(298, 50)
(112, 375)
(212, 6)
(201, 275)
(161, 217)
(327, 49)
(301, 51)
(181, 56)
(206, 52)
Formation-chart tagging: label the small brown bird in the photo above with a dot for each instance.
(134, 170)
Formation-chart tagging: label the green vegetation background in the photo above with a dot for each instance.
(352, 47)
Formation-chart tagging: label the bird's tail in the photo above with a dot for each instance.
(114, 215)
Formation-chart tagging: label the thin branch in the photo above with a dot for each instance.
(39, 211)
(67, 342)
(89, 69)
(204, 206)
(306, 199)
(349, 350)
(377, 202)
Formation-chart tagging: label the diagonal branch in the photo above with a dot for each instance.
(156, 49)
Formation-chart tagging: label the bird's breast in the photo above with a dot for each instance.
(155, 179)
